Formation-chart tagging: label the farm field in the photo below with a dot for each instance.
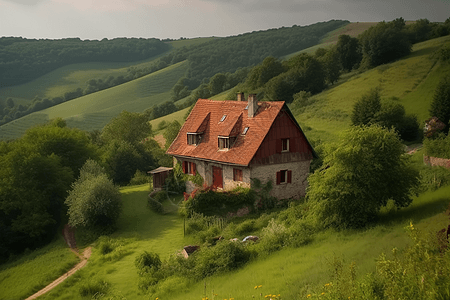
(94, 111)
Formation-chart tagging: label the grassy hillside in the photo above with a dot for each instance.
(95, 110)
(331, 38)
(292, 272)
(67, 79)
(412, 80)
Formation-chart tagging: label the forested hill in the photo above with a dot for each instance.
(230, 53)
(22, 60)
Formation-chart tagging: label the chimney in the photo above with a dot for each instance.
(240, 97)
(252, 105)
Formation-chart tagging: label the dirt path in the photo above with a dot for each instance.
(70, 240)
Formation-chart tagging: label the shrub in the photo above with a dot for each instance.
(300, 233)
(210, 203)
(139, 178)
(225, 256)
(93, 288)
(432, 178)
(154, 202)
(273, 238)
(147, 262)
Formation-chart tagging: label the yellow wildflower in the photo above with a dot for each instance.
(309, 295)
(323, 293)
(259, 286)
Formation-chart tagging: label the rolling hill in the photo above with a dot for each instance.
(93, 111)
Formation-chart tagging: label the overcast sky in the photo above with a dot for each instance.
(97, 19)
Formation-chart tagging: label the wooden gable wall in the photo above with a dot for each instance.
(282, 128)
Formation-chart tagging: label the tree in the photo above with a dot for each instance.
(217, 83)
(385, 42)
(171, 132)
(440, 106)
(127, 126)
(70, 144)
(360, 173)
(121, 160)
(32, 192)
(348, 52)
(94, 202)
(366, 108)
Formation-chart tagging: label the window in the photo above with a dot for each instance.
(224, 143)
(223, 118)
(237, 175)
(189, 168)
(284, 145)
(284, 176)
(193, 138)
(245, 131)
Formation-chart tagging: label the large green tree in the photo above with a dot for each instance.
(348, 51)
(94, 202)
(32, 192)
(440, 106)
(360, 173)
(385, 42)
(127, 126)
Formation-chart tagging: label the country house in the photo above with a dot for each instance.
(229, 142)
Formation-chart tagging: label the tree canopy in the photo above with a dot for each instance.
(360, 173)
(94, 202)
(440, 106)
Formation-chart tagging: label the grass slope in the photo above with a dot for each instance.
(352, 29)
(412, 80)
(292, 272)
(95, 110)
(68, 79)
(35, 270)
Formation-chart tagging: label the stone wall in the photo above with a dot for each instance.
(295, 189)
(436, 161)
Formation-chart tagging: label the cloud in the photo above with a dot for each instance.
(26, 2)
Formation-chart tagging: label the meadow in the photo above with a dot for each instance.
(94, 111)
(411, 81)
(292, 272)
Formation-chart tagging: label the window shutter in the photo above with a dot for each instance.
(278, 146)
(289, 176)
(292, 144)
(194, 168)
(184, 167)
(278, 178)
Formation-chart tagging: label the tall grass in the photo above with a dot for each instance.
(33, 271)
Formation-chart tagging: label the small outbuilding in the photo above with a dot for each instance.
(159, 177)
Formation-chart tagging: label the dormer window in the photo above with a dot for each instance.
(194, 138)
(225, 142)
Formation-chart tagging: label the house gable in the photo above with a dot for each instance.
(284, 129)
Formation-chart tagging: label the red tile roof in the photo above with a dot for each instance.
(245, 146)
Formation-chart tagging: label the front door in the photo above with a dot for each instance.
(217, 178)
